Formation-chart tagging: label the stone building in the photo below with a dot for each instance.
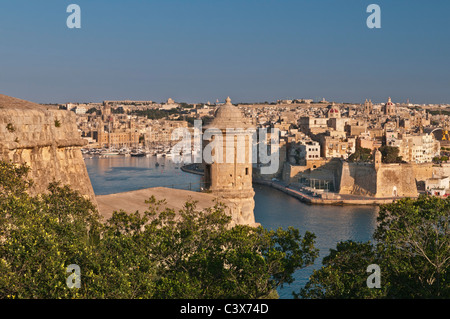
(335, 146)
(303, 151)
(231, 178)
(313, 125)
(419, 148)
(125, 137)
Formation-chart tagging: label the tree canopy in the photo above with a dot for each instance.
(390, 154)
(158, 253)
(412, 249)
(361, 155)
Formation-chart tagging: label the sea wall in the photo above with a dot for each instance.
(358, 179)
(396, 180)
(323, 169)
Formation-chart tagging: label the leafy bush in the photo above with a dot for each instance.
(154, 254)
(412, 250)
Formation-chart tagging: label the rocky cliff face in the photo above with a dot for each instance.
(45, 139)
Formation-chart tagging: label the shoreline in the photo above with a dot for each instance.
(185, 168)
(371, 201)
(323, 201)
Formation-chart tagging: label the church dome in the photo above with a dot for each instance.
(389, 108)
(334, 110)
(389, 102)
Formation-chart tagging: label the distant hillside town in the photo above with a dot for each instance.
(314, 136)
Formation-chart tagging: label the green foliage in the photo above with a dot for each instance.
(94, 110)
(13, 180)
(57, 123)
(118, 110)
(414, 242)
(10, 128)
(343, 274)
(198, 255)
(154, 254)
(439, 112)
(361, 155)
(412, 249)
(155, 114)
(390, 154)
(443, 158)
(41, 236)
(184, 105)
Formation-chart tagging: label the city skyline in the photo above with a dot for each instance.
(200, 51)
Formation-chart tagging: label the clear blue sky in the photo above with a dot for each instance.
(200, 50)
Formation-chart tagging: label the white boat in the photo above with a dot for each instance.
(124, 151)
(110, 152)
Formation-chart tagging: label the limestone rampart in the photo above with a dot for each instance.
(47, 140)
(363, 179)
(358, 179)
(396, 180)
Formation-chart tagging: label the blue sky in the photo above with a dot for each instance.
(250, 50)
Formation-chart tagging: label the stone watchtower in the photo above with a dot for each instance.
(229, 174)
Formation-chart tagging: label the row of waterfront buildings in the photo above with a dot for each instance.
(311, 134)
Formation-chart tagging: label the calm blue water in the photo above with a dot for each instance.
(273, 208)
(118, 174)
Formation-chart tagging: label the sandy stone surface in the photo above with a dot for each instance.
(135, 200)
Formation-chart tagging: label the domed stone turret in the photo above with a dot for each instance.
(229, 116)
(229, 174)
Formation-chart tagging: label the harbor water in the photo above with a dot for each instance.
(273, 208)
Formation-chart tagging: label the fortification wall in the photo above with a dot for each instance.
(358, 179)
(390, 180)
(396, 180)
(47, 140)
(324, 169)
(441, 170)
(423, 171)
